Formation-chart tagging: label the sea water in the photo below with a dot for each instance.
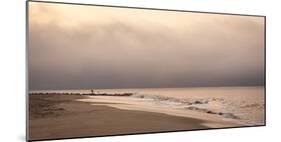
(244, 103)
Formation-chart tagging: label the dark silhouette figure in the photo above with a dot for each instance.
(92, 91)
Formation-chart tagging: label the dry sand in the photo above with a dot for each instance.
(62, 116)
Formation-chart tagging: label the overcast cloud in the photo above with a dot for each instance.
(81, 47)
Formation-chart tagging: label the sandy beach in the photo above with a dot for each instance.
(55, 116)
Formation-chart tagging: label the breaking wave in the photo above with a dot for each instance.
(187, 104)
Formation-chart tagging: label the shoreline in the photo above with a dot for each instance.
(65, 117)
(53, 116)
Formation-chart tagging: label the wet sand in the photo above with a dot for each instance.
(61, 116)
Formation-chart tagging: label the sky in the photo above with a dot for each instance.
(83, 47)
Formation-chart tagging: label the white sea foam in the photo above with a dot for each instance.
(186, 104)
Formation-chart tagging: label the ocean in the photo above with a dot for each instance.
(245, 104)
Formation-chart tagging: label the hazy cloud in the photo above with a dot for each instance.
(114, 48)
